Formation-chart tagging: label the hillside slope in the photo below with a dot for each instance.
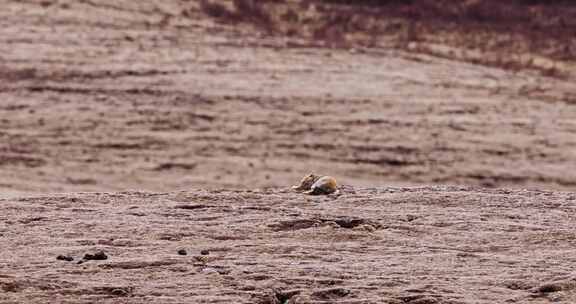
(117, 95)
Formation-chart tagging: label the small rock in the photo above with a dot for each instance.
(204, 252)
(223, 271)
(98, 256)
(550, 287)
(411, 217)
(209, 270)
(202, 259)
(182, 252)
(365, 227)
(66, 258)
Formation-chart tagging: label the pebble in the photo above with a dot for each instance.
(98, 256)
(66, 258)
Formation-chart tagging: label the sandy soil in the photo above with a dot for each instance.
(117, 97)
(370, 245)
(111, 95)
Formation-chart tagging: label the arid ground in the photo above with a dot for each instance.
(114, 115)
(369, 245)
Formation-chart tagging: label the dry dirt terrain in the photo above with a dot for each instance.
(370, 245)
(117, 95)
(114, 113)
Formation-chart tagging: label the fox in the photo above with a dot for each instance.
(313, 184)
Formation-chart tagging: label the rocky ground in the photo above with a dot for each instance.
(98, 98)
(369, 245)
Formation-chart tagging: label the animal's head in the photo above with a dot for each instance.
(307, 182)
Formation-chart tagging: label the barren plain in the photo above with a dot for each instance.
(114, 115)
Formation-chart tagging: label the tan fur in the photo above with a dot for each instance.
(313, 184)
(306, 182)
